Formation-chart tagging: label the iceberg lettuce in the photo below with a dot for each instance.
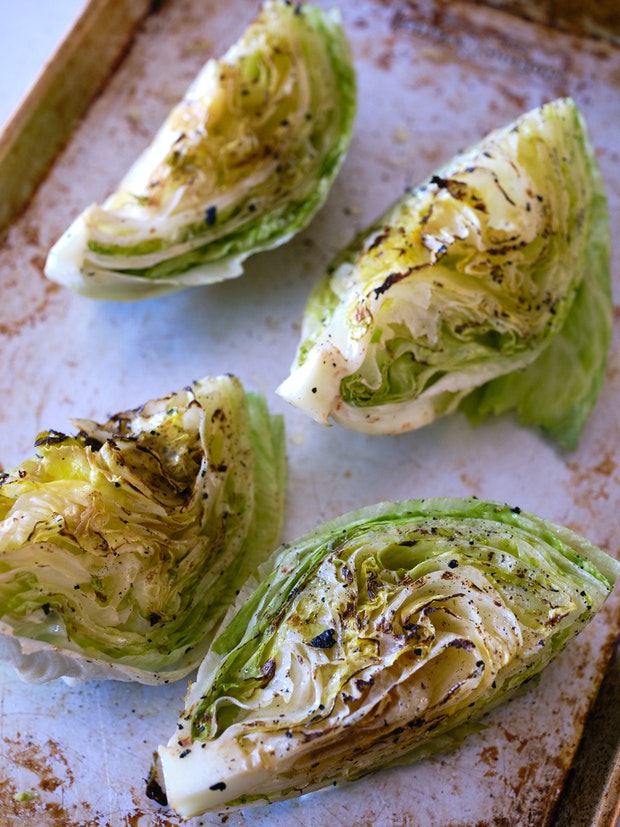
(377, 638)
(123, 545)
(484, 289)
(240, 165)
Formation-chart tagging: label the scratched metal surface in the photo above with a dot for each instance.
(433, 78)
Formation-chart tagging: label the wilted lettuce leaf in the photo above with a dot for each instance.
(240, 165)
(485, 288)
(375, 639)
(122, 546)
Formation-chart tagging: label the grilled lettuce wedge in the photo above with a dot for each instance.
(376, 639)
(123, 545)
(240, 165)
(484, 289)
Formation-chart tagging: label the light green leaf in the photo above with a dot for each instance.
(240, 165)
(487, 287)
(378, 638)
(122, 546)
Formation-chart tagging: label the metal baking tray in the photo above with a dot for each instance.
(434, 77)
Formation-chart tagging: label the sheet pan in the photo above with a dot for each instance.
(433, 78)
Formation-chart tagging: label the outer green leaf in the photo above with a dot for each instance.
(378, 638)
(122, 547)
(491, 277)
(240, 165)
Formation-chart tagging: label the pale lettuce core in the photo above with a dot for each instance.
(486, 289)
(241, 164)
(378, 638)
(123, 545)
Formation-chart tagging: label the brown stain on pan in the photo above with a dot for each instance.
(35, 310)
(38, 758)
(479, 39)
(47, 776)
(599, 19)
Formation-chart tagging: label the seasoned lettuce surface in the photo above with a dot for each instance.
(377, 638)
(484, 289)
(240, 165)
(123, 545)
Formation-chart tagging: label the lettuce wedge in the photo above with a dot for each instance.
(377, 638)
(123, 545)
(484, 289)
(240, 165)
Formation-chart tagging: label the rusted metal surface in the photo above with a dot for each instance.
(433, 78)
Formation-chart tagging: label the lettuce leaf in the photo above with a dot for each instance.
(123, 545)
(240, 165)
(485, 289)
(378, 638)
